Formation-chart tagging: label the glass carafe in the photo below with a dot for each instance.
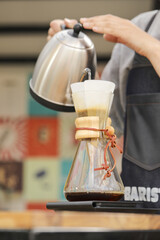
(93, 174)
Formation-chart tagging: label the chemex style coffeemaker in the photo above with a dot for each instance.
(59, 82)
(93, 174)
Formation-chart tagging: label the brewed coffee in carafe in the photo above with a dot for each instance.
(93, 174)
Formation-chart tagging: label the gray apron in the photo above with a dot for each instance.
(141, 160)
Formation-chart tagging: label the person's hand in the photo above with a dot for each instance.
(55, 26)
(119, 30)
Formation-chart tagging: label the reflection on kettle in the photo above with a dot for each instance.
(62, 62)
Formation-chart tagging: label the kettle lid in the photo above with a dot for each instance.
(74, 37)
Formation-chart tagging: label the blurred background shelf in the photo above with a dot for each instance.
(24, 24)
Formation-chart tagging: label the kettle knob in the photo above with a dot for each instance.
(76, 29)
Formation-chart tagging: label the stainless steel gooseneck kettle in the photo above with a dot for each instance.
(61, 63)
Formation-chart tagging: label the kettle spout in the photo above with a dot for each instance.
(85, 71)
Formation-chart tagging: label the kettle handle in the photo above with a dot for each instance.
(64, 27)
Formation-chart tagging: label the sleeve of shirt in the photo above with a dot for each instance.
(111, 73)
(113, 70)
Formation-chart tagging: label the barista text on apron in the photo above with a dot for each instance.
(145, 194)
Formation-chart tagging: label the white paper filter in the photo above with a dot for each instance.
(78, 96)
(77, 87)
(98, 93)
(99, 85)
(92, 94)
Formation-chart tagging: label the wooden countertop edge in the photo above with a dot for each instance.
(115, 221)
(111, 221)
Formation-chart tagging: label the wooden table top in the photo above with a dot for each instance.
(111, 221)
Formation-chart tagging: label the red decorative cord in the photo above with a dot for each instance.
(110, 144)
